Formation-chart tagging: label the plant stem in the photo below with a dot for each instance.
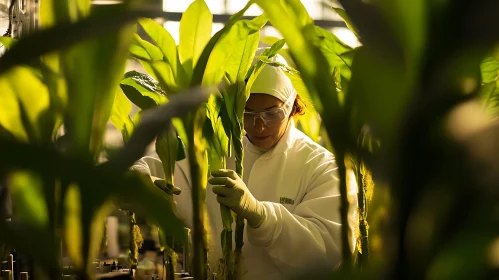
(361, 196)
(239, 235)
(196, 159)
(171, 259)
(345, 244)
(135, 240)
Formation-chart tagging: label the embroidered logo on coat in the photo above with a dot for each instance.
(285, 200)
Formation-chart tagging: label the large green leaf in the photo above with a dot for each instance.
(152, 59)
(334, 50)
(195, 33)
(22, 85)
(93, 70)
(142, 90)
(234, 52)
(165, 42)
(200, 67)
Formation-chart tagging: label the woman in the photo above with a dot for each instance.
(289, 194)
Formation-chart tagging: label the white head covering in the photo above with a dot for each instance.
(272, 80)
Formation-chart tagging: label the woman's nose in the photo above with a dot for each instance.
(259, 125)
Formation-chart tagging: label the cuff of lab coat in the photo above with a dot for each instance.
(269, 230)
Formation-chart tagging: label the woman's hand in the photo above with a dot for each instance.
(232, 192)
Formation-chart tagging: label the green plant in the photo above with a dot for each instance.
(73, 83)
(201, 60)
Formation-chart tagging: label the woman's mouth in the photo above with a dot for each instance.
(261, 138)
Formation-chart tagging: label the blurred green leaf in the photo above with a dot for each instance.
(27, 198)
(383, 98)
(165, 42)
(120, 115)
(408, 21)
(297, 11)
(142, 90)
(21, 84)
(73, 230)
(101, 62)
(153, 122)
(489, 94)
(64, 35)
(195, 33)
(7, 42)
(98, 182)
(489, 69)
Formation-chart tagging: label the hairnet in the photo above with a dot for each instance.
(272, 80)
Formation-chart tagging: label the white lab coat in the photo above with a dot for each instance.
(298, 184)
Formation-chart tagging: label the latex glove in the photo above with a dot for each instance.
(167, 188)
(232, 192)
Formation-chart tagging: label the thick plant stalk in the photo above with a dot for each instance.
(363, 225)
(197, 162)
(345, 243)
(226, 270)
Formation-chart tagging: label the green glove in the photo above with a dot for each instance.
(232, 192)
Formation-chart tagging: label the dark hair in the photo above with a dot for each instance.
(298, 107)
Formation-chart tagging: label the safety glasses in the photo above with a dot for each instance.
(271, 117)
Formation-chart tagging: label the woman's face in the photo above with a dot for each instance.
(258, 133)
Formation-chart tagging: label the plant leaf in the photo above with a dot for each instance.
(27, 197)
(489, 69)
(64, 35)
(234, 52)
(167, 146)
(165, 42)
(347, 21)
(102, 63)
(153, 122)
(120, 115)
(142, 90)
(334, 49)
(195, 33)
(7, 42)
(151, 58)
(200, 67)
(21, 84)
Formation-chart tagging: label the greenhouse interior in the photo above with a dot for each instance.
(241, 140)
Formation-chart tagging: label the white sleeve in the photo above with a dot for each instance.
(154, 168)
(309, 238)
